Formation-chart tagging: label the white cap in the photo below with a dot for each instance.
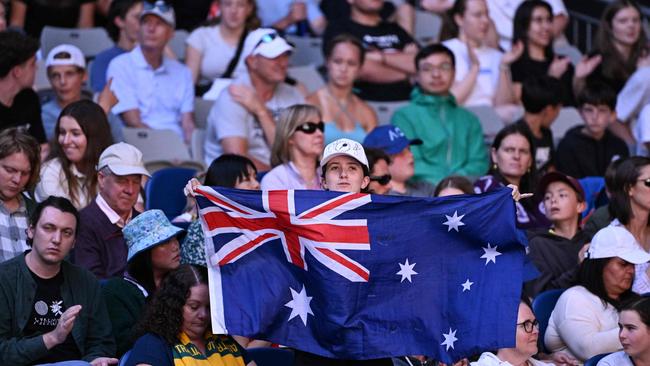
(267, 43)
(122, 159)
(616, 241)
(345, 147)
(160, 9)
(66, 55)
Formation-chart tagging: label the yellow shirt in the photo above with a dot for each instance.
(219, 350)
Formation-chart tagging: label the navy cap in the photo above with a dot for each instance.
(390, 139)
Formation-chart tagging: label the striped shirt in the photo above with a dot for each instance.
(13, 230)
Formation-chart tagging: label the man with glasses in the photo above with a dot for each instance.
(452, 137)
(153, 90)
(242, 120)
(391, 140)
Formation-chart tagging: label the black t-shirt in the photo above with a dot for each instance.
(47, 308)
(57, 13)
(384, 36)
(544, 149)
(24, 113)
(191, 13)
(334, 10)
(525, 67)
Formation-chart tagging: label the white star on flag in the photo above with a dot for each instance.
(299, 305)
(467, 285)
(406, 271)
(490, 254)
(453, 222)
(450, 339)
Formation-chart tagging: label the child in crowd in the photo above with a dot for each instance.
(66, 71)
(558, 251)
(542, 99)
(588, 149)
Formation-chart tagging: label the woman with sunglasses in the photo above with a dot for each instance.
(380, 178)
(346, 114)
(525, 345)
(629, 205)
(584, 322)
(634, 334)
(297, 146)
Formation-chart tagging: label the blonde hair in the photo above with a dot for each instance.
(289, 120)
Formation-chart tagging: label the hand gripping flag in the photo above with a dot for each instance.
(359, 276)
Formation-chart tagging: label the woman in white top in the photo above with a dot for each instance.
(297, 146)
(634, 334)
(482, 72)
(81, 134)
(584, 322)
(210, 49)
(525, 345)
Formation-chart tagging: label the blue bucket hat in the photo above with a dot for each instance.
(147, 230)
(390, 139)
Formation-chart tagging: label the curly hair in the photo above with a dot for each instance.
(163, 316)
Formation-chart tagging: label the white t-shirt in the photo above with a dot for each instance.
(582, 326)
(502, 13)
(616, 359)
(227, 118)
(488, 77)
(214, 49)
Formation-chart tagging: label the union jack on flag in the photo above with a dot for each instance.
(359, 276)
(315, 230)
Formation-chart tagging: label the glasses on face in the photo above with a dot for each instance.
(160, 5)
(646, 182)
(444, 67)
(529, 325)
(382, 179)
(311, 127)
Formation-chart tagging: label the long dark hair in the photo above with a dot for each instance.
(521, 23)
(590, 276)
(163, 316)
(449, 28)
(614, 65)
(92, 121)
(140, 268)
(227, 169)
(528, 181)
(625, 176)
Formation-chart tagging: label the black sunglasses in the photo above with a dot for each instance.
(164, 7)
(382, 179)
(311, 127)
(528, 325)
(646, 182)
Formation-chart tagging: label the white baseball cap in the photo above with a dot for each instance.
(267, 43)
(66, 55)
(122, 159)
(160, 9)
(616, 241)
(345, 147)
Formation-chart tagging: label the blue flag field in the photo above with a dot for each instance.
(360, 276)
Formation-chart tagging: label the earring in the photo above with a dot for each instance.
(494, 166)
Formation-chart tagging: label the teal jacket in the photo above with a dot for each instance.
(452, 137)
(92, 328)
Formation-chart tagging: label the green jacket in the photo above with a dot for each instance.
(125, 302)
(452, 137)
(91, 331)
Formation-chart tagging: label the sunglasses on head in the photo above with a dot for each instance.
(311, 127)
(164, 7)
(382, 179)
(646, 182)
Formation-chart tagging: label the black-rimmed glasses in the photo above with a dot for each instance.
(529, 325)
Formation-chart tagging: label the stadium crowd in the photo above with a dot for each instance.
(90, 273)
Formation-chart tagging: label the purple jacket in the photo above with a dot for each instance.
(100, 246)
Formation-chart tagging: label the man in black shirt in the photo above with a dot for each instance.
(390, 51)
(51, 310)
(541, 96)
(19, 104)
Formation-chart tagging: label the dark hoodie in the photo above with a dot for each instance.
(556, 258)
(579, 155)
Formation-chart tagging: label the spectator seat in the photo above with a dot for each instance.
(427, 27)
(91, 41)
(307, 51)
(385, 110)
(594, 360)
(543, 306)
(177, 43)
(164, 190)
(308, 76)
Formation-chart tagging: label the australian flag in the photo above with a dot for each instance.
(360, 276)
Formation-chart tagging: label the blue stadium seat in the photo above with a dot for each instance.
(266, 356)
(594, 360)
(543, 307)
(164, 190)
